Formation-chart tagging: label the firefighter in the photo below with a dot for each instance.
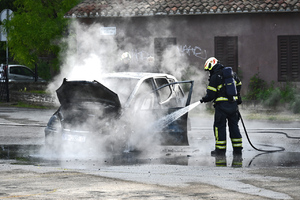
(125, 63)
(126, 57)
(225, 109)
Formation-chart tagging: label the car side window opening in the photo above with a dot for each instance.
(26, 72)
(179, 94)
(14, 70)
(165, 93)
(21, 71)
(145, 97)
(123, 92)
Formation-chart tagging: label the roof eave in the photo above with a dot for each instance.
(145, 14)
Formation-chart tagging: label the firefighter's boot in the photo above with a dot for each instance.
(237, 151)
(218, 152)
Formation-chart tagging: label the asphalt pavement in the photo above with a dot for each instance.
(28, 171)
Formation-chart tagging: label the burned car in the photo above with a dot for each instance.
(120, 109)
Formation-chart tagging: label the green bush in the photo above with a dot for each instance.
(295, 105)
(288, 92)
(256, 85)
(44, 70)
(272, 96)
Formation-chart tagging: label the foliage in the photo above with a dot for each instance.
(295, 105)
(26, 105)
(256, 85)
(4, 4)
(36, 29)
(240, 73)
(43, 70)
(272, 96)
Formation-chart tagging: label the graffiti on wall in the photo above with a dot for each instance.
(192, 51)
(196, 51)
(139, 55)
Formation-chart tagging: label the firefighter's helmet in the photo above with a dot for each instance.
(210, 63)
(126, 56)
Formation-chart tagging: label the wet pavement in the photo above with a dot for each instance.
(159, 172)
(36, 155)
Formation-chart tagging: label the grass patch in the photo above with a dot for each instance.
(38, 92)
(272, 117)
(27, 105)
(33, 91)
(22, 159)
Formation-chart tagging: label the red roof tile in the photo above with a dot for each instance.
(131, 8)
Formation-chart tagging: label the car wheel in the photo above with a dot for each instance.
(53, 143)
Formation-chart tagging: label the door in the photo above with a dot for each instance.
(157, 102)
(173, 107)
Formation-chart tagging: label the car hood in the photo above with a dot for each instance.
(72, 92)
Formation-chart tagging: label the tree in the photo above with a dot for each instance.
(36, 29)
(4, 4)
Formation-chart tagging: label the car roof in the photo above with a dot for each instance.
(137, 75)
(14, 65)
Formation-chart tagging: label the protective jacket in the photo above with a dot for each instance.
(216, 91)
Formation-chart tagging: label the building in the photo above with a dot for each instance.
(254, 37)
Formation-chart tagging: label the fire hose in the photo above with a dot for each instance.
(263, 150)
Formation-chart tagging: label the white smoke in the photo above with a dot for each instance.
(90, 54)
(173, 62)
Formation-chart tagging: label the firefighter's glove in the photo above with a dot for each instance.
(201, 100)
(239, 100)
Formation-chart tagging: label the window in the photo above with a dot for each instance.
(124, 92)
(178, 93)
(145, 99)
(14, 70)
(165, 92)
(226, 51)
(26, 72)
(288, 58)
(21, 71)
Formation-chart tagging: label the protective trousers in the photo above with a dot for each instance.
(227, 111)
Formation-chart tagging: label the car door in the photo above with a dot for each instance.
(156, 101)
(172, 99)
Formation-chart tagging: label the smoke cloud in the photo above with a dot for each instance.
(90, 54)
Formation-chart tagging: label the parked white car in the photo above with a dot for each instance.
(18, 73)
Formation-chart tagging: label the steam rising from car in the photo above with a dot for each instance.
(90, 54)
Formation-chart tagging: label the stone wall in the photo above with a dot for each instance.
(27, 93)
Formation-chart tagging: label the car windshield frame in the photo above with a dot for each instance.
(114, 83)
